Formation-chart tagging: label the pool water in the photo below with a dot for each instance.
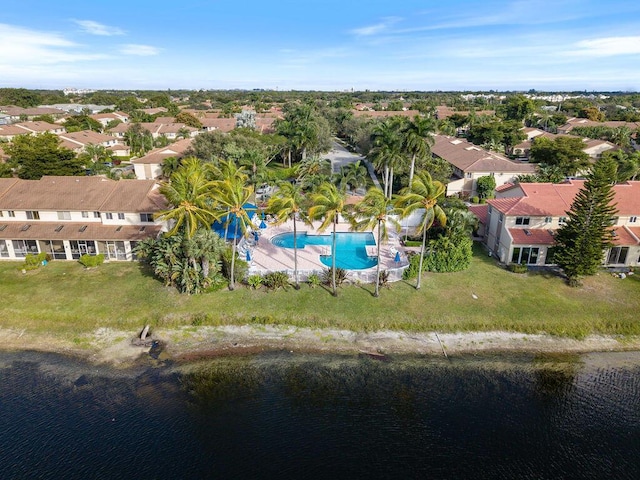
(351, 252)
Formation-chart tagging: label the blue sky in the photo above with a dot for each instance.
(321, 44)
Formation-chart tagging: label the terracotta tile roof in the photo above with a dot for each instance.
(531, 236)
(504, 187)
(86, 137)
(635, 231)
(156, 156)
(74, 231)
(222, 124)
(480, 211)
(81, 193)
(445, 112)
(623, 236)
(385, 113)
(468, 157)
(134, 196)
(554, 199)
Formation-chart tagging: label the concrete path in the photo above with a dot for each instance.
(340, 156)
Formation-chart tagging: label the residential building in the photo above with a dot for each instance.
(67, 217)
(520, 222)
(149, 166)
(8, 132)
(471, 162)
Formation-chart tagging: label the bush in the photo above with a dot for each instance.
(475, 199)
(32, 262)
(384, 278)
(90, 261)
(255, 281)
(414, 264)
(517, 268)
(449, 254)
(327, 276)
(241, 267)
(275, 280)
(313, 280)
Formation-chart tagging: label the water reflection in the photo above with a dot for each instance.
(279, 415)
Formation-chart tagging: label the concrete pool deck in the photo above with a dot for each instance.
(266, 257)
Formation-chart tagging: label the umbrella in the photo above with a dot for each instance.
(256, 237)
(262, 215)
(248, 256)
(397, 259)
(263, 225)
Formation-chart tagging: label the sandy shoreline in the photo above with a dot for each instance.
(106, 346)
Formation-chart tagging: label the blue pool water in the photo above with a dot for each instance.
(351, 252)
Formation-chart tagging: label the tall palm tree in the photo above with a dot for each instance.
(231, 194)
(189, 195)
(423, 193)
(373, 211)
(354, 175)
(289, 203)
(327, 203)
(314, 171)
(418, 140)
(387, 152)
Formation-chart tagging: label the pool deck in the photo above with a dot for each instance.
(266, 257)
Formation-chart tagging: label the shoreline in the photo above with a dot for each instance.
(190, 344)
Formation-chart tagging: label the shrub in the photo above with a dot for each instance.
(384, 278)
(275, 280)
(412, 270)
(255, 281)
(313, 280)
(517, 268)
(327, 276)
(241, 267)
(32, 262)
(475, 199)
(90, 261)
(449, 254)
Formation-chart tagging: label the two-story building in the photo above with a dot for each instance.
(519, 224)
(67, 217)
(471, 162)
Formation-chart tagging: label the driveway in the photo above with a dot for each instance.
(340, 156)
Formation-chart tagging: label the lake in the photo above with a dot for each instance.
(294, 416)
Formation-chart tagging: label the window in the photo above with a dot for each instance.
(120, 216)
(11, 213)
(1, 213)
(500, 218)
(85, 214)
(22, 247)
(64, 215)
(108, 216)
(489, 210)
(522, 220)
(562, 221)
(547, 219)
(618, 255)
(633, 219)
(614, 220)
(33, 215)
(525, 255)
(4, 251)
(96, 214)
(146, 217)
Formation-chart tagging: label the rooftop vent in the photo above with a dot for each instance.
(142, 229)
(2, 227)
(59, 227)
(82, 228)
(25, 228)
(527, 232)
(119, 228)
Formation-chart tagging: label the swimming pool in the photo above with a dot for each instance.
(351, 252)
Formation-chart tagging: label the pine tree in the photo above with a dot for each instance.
(581, 242)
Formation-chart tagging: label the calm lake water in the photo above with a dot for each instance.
(290, 416)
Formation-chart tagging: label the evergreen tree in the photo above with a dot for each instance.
(581, 242)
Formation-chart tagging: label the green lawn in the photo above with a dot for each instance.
(65, 299)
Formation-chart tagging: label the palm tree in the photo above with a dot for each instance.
(354, 175)
(387, 151)
(169, 166)
(189, 193)
(423, 193)
(314, 171)
(288, 203)
(418, 140)
(327, 203)
(373, 211)
(231, 195)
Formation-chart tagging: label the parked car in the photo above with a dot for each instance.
(264, 189)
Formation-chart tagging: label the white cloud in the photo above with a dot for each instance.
(381, 27)
(607, 47)
(31, 47)
(139, 50)
(95, 28)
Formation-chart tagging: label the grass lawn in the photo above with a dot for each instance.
(65, 299)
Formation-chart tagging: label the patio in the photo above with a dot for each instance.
(266, 257)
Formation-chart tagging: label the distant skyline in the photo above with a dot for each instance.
(322, 45)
